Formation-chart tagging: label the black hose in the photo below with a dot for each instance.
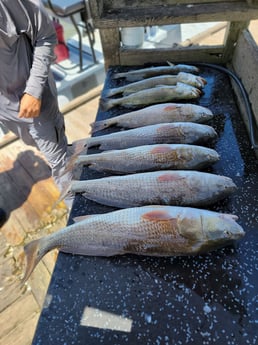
(244, 94)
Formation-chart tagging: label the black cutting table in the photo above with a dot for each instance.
(208, 299)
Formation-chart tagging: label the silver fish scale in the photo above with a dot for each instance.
(133, 229)
(163, 187)
(158, 113)
(122, 232)
(148, 230)
(180, 133)
(151, 157)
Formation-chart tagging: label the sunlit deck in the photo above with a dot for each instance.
(27, 194)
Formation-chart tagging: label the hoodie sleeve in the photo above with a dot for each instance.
(43, 38)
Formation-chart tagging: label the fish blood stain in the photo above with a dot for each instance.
(170, 107)
(168, 178)
(163, 129)
(156, 215)
(161, 149)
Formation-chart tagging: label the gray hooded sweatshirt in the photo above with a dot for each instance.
(27, 41)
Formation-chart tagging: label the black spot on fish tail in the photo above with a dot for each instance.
(80, 146)
(98, 126)
(105, 104)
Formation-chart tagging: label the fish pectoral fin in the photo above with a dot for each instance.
(170, 63)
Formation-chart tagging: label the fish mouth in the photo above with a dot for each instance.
(237, 235)
(207, 115)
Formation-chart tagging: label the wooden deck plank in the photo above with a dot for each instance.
(7, 278)
(39, 282)
(77, 122)
(25, 303)
(23, 333)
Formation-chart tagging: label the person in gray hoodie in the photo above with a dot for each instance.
(28, 95)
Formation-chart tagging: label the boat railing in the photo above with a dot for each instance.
(71, 8)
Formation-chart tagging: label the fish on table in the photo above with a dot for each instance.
(148, 230)
(169, 187)
(158, 94)
(147, 158)
(147, 72)
(158, 113)
(164, 133)
(168, 79)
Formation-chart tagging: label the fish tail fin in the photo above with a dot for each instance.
(118, 75)
(70, 165)
(109, 93)
(80, 146)
(98, 126)
(66, 189)
(32, 257)
(105, 104)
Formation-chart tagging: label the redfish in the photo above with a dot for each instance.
(182, 77)
(147, 72)
(164, 133)
(148, 158)
(178, 188)
(158, 94)
(158, 113)
(148, 230)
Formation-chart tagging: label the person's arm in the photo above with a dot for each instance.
(42, 35)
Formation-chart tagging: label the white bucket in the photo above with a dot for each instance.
(132, 37)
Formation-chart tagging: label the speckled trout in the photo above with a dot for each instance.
(158, 94)
(158, 113)
(178, 188)
(148, 158)
(147, 72)
(165, 133)
(182, 77)
(148, 230)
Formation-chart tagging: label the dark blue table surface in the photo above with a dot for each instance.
(208, 299)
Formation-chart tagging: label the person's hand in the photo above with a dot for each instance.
(29, 106)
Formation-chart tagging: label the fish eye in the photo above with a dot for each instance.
(227, 233)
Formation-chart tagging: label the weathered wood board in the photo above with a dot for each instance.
(245, 65)
(108, 14)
